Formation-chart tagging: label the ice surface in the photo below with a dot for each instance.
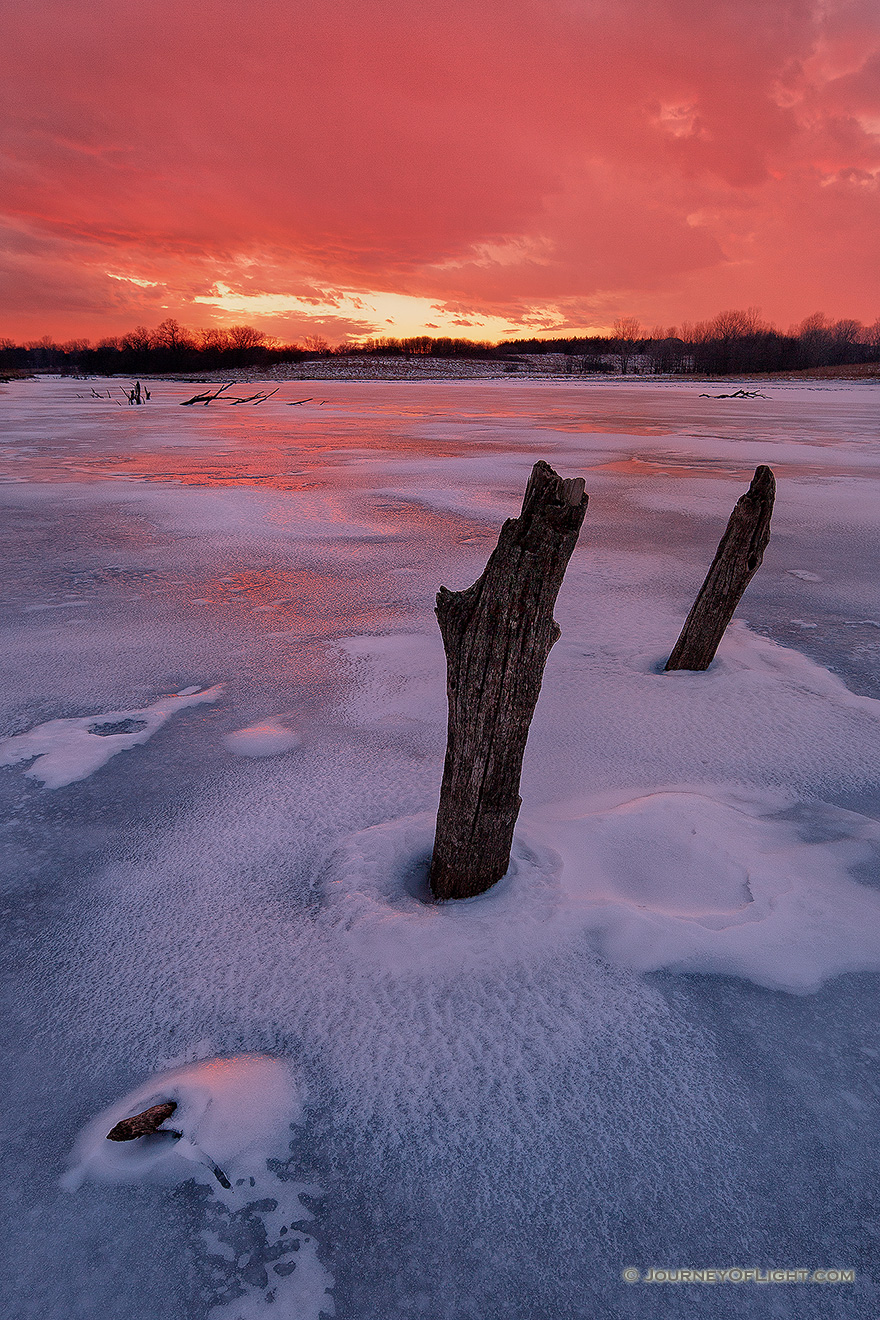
(654, 1043)
(72, 749)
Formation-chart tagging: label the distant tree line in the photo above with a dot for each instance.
(421, 346)
(731, 343)
(171, 347)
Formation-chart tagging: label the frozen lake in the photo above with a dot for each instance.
(655, 1044)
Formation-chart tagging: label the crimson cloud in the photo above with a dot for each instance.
(536, 164)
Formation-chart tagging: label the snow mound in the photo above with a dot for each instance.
(763, 662)
(231, 1131)
(73, 749)
(233, 1114)
(684, 879)
(377, 895)
(695, 880)
(267, 738)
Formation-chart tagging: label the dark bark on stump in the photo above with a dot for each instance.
(736, 562)
(143, 1125)
(497, 635)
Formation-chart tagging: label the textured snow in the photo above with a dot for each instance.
(687, 881)
(235, 1112)
(267, 738)
(653, 1043)
(72, 749)
(686, 878)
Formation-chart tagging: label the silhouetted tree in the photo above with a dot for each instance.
(627, 332)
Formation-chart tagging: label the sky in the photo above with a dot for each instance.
(356, 168)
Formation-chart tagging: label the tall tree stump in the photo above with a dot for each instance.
(497, 635)
(736, 562)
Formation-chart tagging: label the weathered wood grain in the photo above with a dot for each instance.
(144, 1124)
(736, 562)
(497, 635)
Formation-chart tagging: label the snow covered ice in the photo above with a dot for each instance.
(266, 738)
(654, 1043)
(234, 1112)
(67, 750)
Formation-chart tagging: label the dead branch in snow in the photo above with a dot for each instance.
(207, 397)
(144, 1124)
(737, 394)
(260, 397)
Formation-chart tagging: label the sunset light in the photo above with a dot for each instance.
(440, 659)
(352, 171)
(376, 313)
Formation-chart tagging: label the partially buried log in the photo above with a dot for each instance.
(497, 635)
(143, 1124)
(206, 397)
(736, 562)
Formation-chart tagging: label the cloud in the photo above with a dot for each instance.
(537, 160)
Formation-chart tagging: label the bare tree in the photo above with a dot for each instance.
(871, 336)
(137, 340)
(814, 335)
(245, 336)
(212, 340)
(627, 333)
(172, 336)
(737, 324)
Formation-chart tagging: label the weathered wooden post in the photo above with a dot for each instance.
(736, 562)
(497, 635)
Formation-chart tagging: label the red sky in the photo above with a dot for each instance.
(383, 166)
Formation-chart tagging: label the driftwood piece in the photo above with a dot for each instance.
(736, 562)
(497, 635)
(143, 1124)
(207, 396)
(260, 397)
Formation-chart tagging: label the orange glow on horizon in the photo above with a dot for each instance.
(536, 168)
